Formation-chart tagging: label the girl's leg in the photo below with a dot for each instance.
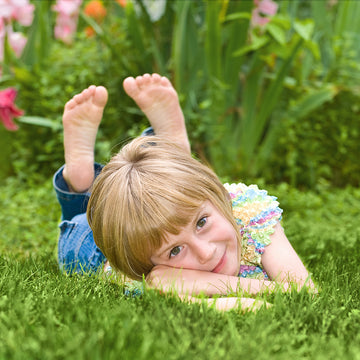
(159, 101)
(81, 119)
(77, 251)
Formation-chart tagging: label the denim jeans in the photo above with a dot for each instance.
(77, 251)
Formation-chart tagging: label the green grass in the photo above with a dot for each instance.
(47, 315)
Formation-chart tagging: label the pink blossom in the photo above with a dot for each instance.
(19, 10)
(66, 21)
(257, 19)
(268, 7)
(8, 110)
(64, 29)
(67, 7)
(17, 41)
(2, 27)
(24, 14)
(6, 9)
(263, 9)
(2, 38)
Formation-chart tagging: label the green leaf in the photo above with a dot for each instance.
(91, 22)
(305, 28)
(277, 33)
(347, 17)
(238, 16)
(23, 75)
(282, 21)
(179, 43)
(38, 44)
(213, 39)
(271, 98)
(312, 101)
(257, 43)
(40, 121)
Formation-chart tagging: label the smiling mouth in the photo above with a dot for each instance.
(220, 264)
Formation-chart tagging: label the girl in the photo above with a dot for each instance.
(155, 211)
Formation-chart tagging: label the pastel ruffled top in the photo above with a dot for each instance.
(256, 214)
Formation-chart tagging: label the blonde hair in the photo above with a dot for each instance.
(150, 188)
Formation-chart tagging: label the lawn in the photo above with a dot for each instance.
(47, 315)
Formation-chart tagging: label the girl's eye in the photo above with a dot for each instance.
(201, 223)
(175, 251)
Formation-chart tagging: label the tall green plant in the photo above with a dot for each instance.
(328, 73)
(241, 80)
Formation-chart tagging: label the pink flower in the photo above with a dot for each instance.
(6, 9)
(263, 9)
(2, 27)
(2, 38)
(67, 7)
(268, 7)
(17, 42)
(66, 21)
(7, 108)
(65, 27)
(24, 15)
(19, 10)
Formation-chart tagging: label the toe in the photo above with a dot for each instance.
(147, 79)
(156, 78)
(70, 105)
(78, 98)
(85, 95)
(100, 96)
(139, 81)
(165, 81)
(131, 85)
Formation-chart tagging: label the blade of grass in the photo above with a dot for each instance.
(213, 39)
(179, 43)
(270, 99)
(38, 44)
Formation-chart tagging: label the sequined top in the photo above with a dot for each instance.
(256, 214)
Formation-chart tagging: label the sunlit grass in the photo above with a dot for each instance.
(45, 314)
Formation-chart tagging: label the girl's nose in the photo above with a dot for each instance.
(204, 251)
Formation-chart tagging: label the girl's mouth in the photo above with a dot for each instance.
(220, 264)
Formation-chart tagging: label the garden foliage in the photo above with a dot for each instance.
(276, 99)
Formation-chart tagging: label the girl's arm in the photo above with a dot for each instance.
(194, 282)
(281, 261)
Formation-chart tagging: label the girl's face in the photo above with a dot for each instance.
(207, 243)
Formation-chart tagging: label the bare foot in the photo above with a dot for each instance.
(159, 101)
(81, 119)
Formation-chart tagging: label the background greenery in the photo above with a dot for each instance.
(278, 103)
(277, 106)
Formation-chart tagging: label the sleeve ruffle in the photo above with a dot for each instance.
(256, 214)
